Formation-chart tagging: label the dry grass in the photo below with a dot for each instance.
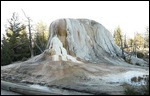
(137, 90)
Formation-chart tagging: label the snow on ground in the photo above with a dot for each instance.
(126, 77)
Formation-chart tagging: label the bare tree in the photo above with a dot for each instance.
(30, 36)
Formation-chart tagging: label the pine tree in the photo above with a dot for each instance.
(15, 46)
(146, 38)
(139, 40)
(118, 40)
(41, 38)
(6, 52)
(117, 36)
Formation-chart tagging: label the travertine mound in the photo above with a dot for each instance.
(81, 58)
(87, 40)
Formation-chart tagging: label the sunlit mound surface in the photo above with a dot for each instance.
(87, 40)
(80, 57)
(82, 77)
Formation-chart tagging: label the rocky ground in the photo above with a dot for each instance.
(74, 77)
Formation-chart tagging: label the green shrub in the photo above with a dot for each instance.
(140, 55)
(137, 64)
(137, 90)
(131, 90)
(128, 61)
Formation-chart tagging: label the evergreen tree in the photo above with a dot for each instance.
(118, 36)
(146, 38)
(15, 46)
(139, 40)
(6, 52)
(118, 40)
(41, 38)
(130, 42)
